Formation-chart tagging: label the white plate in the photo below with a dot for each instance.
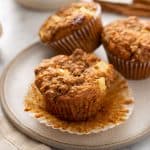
(15, 81)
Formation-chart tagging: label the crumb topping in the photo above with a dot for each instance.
(68, 19)
(128, 39)
(63, 74)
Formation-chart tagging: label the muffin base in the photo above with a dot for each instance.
(129, 69)
(87, 38)
(117, 108)
(76, 109)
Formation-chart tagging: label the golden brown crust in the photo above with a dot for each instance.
(128, 39)
(67, 20)
(80, 79)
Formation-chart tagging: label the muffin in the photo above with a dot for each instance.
(128, 46)
(76, 26)
(117, 108)
(74, 86)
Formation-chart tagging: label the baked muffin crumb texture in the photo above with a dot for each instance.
(128, 39)
(63, 74)
(67, 20)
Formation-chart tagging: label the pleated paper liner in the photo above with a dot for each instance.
(88, 37)
(117, 108)
(129, 69)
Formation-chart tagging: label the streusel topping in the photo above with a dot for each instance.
(128, 39)
(68, 19)
(63, 74)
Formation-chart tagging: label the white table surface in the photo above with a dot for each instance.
(20, 27)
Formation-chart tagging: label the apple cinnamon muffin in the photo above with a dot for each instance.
(74, 86)
(76, 26)
(128, 46)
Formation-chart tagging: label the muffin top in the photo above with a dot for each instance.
(71, 75)
(128, 39)
(67, 20)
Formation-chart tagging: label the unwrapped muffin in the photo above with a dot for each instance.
(127, 43)
(74, 86)
(76, 26)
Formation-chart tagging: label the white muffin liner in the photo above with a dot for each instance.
(130, 69)
(87, 37)
(118, 106)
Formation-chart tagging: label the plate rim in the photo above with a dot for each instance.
(50, 142)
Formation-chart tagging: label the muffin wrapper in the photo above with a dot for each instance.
(87, 38)
(74, 109)
(117, 108)
(130, 69)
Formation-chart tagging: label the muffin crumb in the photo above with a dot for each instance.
(74, 84)
(128, 39)
(67, 20)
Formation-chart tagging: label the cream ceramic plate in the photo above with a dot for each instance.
(15, 81)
